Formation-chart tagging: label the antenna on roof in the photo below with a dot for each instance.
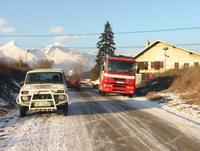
(147, 43)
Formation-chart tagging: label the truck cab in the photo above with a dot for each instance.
(118, 75)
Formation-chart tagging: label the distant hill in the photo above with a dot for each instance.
(63, 57)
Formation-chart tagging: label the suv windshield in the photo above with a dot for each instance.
(44, 77)
(126, 67)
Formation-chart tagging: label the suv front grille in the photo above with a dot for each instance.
(42, 96)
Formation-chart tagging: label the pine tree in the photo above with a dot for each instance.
(105, 44)
(106, 47)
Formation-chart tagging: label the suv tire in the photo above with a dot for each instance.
(22, 111)
(65, 109)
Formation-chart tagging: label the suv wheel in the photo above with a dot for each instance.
(65, 109)
(22, 111)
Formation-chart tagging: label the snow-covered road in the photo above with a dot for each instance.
(100, 123)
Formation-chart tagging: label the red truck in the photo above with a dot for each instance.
(118, 75)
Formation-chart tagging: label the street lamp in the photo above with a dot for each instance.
(81, 64)
(165, 49)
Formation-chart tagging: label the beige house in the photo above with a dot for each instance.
(161, 56)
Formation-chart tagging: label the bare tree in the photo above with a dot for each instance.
(44, 63)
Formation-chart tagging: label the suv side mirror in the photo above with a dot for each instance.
(21, 83)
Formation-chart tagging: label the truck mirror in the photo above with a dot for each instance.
(103, 67)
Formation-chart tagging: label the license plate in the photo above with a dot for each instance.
(42, 104)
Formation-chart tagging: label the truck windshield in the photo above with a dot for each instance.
(44, 77)
(126, 67)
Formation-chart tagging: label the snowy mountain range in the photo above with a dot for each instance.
(63, 57)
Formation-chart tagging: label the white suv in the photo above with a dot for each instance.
(43, 90)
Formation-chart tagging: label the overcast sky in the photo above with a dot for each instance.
(89, 16)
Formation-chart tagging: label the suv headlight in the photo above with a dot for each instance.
(25, 98)
(61, 97)
(60, 91)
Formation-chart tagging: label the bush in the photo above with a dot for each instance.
(13, 70)
(187, 80)
(45, 63)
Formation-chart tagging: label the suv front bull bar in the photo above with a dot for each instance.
(42, 104)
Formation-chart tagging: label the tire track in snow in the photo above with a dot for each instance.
(141, 138)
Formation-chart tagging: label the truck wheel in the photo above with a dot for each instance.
(65, 109)
(130, 95)
(102, 93)
(96, 86)
(22, 111)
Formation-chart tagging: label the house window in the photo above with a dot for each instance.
(196, 64)
(186, 65)
(143, 65)
(157, 65)
(176, 65)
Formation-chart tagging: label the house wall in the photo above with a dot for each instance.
(168, 57)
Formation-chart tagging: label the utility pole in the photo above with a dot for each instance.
(165, 49)
(81, 63)
(27, 51)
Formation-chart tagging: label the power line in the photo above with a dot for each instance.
(95, 34)
(159, 30)
(119, 47)
(46, 35)
(188, 44)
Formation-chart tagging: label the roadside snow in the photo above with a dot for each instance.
(180, 106)
(2, 102)
(17, 84)
(8, 92)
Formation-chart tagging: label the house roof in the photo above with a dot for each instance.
(159, 41)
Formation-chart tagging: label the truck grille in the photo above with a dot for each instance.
(119, 85)
(118, 79)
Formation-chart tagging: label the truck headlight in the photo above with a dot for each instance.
(61, 97)
(129, 87)
(109, 85)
